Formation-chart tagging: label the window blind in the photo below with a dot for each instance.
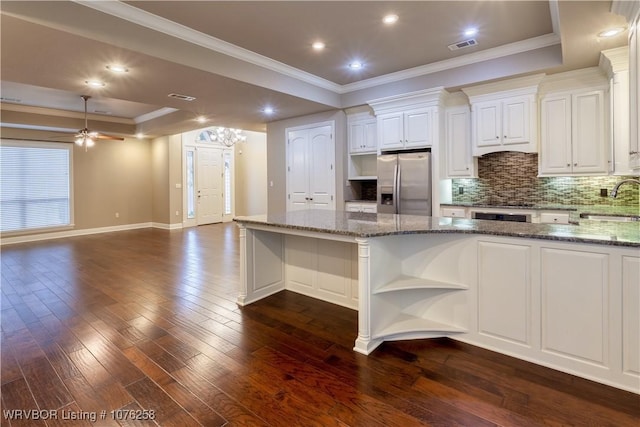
(35, 186)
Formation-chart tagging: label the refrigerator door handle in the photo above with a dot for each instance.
(395, 188)
(398, 180)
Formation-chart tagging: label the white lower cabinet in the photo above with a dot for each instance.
(631, 316)
(554, 217)
(453, 212)
(571, 307)
(575, 305)
(322, 269)
(504, 291)
(361, 207)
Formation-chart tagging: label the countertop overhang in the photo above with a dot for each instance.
(366, 225)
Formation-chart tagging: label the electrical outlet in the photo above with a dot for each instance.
(460, 190)
(177, 213)
(603, 192)
(117, 214)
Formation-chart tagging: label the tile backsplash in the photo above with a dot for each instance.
(511, 178)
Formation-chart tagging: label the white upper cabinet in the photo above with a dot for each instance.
(504, 120)
(409, 129)
(460, 162)
(634, 88)
(363, 135)
(615, 63)
(631, 11)
(408, 121)
(574, 127)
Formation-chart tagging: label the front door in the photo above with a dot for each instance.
(209, 186)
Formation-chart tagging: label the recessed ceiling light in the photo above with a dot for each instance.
(611, 32)
(119, 69)
(470, 32)
(356, 65)
(390, 19)
(318, 45)
(140, 135)
(267, 110)
(201, 119)
(94, 83)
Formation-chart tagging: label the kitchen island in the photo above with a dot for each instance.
(563, 296)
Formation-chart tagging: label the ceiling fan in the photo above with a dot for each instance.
(86, 138)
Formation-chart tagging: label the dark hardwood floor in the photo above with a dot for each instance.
(147, 320)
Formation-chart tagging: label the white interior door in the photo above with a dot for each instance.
(321, 170)
(297, 170)
(209, 186)
(310, 168)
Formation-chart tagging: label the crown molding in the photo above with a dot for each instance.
(447, 64)
(148, 20)
(629, 9)
(421, 98)
(614, 60)
(592, 78)
(519, 85)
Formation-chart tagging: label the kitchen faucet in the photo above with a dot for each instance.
(614, 192)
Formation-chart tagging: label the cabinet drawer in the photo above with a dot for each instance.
(370, 207)
(453, 212)
(554, 218)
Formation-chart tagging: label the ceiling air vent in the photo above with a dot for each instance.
(182, 97)
(463, 44)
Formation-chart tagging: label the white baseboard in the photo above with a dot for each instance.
(84, 232)
(164, 226)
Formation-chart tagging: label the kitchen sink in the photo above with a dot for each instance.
(614, 218)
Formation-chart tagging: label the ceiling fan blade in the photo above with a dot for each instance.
(109, 137)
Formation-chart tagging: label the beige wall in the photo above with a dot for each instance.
(276, 156)
(166, 161)
(112, 176)
(160, 173)
(251, 175)
(175, 178)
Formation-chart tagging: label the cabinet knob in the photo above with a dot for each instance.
(497, 137)
(505, 137)
(575, 164)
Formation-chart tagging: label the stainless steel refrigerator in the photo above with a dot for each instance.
(404, 183)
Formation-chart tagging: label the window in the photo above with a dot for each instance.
(35, 185)
(227, 183)
(191, 185)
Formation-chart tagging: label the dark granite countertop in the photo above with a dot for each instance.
(359, 224)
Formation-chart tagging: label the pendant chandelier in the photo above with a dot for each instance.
(226, 136)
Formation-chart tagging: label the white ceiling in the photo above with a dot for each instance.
(237, 57)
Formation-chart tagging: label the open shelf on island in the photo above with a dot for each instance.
(404, 324)
(406, 282)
